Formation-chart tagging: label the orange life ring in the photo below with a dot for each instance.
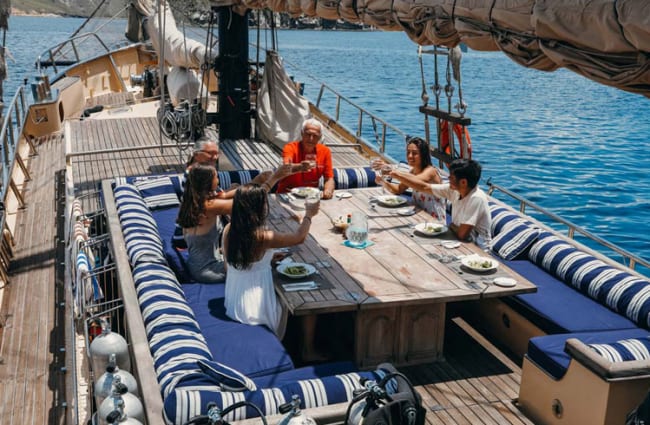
(458, 131)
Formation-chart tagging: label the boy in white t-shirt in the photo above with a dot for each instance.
(470, 215)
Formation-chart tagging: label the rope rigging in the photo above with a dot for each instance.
(453, 140)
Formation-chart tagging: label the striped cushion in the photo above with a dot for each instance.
(515, 237)
(501, 217)
(228, 178)
(621, 291)
(189, 400)
(350, 178)
(157, 192)
(226, 377)
(624, 350)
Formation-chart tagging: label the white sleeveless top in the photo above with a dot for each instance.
(250, 296)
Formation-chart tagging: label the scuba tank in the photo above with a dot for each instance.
(131, 405)
(108, 343)
(294, 416)
(118, 416)
(113, 375)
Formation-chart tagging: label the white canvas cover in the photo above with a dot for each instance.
(178, 50)
(280, 108)
(605, 40)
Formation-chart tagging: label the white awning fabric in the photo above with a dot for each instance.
(605, 40)
(281, 110)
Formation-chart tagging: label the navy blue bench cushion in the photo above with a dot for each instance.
(157, 191)
(191, 398)
(514, 239)
(624, 350)
(559, 308)
(350, 178)
(548, 351)
(306, 372)
(176, 258)
(627, 294)
(501, 217)
(252, 350)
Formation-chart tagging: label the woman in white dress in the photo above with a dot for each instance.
(250, 295)
(418, 158)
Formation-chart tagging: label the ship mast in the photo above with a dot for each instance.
(232, 70)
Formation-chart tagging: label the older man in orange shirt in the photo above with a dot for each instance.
(304, 152)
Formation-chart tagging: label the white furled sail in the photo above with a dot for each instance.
(280, 108)
(178, 50)
(605, 40)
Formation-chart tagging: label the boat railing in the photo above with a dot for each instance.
(368, 126)
(630, 260)
(12, 127)
(68, 53)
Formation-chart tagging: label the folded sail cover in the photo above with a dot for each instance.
(605, 40)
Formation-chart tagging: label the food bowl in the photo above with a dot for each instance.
(340, 223)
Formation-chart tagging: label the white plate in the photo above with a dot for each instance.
(430, 229)
(480, 264)
(406, 211)
(343, 195)
(451, 244)
(305, 192)
(283, 269)
(391, 201)
(506, 282)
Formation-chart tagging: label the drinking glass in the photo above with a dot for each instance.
(375, 163)
(311, 158)
(384, 172)
(357, 231)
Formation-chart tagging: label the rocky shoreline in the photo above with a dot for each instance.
(18, 12)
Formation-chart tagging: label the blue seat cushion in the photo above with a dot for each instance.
(192, 397)
(252, 350)
(307, 372)
(624, 350)
(559, 308)
(548, 351)
(176, 258)
(350, 178)
(157, 191)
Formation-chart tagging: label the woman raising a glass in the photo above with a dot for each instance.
(418, 158)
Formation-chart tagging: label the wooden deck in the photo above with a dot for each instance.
(474, 384)
(32, 317)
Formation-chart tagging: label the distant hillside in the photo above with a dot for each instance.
(82, 8)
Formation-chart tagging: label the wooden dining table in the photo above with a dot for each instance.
(397, 288)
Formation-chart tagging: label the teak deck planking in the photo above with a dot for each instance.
(474, 384)
(33, 334)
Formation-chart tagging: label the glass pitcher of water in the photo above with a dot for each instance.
(357, 231)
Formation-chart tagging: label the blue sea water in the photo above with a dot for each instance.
(575, 147)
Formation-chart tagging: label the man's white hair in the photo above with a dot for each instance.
(200, 143)
(314, 123)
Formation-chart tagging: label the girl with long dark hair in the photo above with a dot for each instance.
(198, 216)
(249, 246)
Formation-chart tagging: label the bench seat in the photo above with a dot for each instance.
(584, 333)
(230, 341)
(558, 308)
(192, 341)
(548, 352)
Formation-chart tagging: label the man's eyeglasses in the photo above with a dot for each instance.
(210, 153)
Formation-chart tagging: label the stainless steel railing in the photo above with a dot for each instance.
(369, 127)
(12, 127)
(15, 115)
(67, 53)
(630, 260)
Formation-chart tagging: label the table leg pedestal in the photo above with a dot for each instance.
(400, 335)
